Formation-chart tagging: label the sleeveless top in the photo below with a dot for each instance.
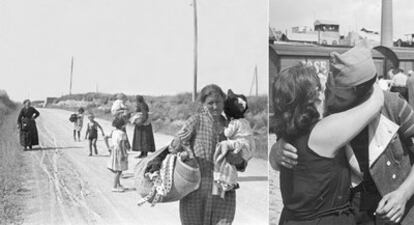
(317, 186)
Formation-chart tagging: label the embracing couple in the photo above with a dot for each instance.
(344, 149)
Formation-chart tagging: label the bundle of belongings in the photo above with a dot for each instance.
(166, 177)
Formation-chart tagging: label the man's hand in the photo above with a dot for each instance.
(392, 206)
(283, 153)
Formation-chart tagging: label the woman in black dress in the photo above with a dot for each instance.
(27, 125)
(143, 137)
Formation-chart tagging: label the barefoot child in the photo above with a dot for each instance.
(92, 133)
(77, 124)
(119, 157)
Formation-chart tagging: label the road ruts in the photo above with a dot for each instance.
(66, 186)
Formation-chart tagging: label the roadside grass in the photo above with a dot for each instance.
(169, 112)
(11, 164)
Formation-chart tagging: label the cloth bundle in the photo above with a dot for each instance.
(166, 177)
(138, 119)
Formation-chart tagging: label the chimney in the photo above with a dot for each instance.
(386, 24)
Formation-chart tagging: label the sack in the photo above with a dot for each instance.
(176, 179)
(73, 117)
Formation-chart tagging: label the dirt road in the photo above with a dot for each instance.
(65, 186)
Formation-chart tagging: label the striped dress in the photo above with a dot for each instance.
(200, 207)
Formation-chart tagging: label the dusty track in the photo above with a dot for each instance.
(65, 186)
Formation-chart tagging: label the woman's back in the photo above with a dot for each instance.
(317, 186)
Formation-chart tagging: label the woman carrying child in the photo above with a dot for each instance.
(202, 132)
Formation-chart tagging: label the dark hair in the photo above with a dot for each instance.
(231, 105)
(295, 92)
(25, 101)
(140, 98)
(118, 123)
(210, 90)
(81, 110)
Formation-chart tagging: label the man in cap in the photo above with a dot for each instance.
(382, 150)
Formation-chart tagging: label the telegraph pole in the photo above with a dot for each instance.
(71, 77)
(257, 81)
(195, 50)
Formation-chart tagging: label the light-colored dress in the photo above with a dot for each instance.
(116, 162)
(200, 207)
(240, 140)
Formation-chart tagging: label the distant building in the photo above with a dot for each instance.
(324, 32)
(49, 100)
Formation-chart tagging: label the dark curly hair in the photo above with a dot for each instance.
(295, 92)
(118, 123)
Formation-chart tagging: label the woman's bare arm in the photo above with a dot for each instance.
(334, 131)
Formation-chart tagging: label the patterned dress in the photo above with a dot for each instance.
(200, 207)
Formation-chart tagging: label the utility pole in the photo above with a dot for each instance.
(257, 81)
(195, 50)
(71, 77)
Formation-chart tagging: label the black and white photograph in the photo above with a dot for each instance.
(341, 112)
(134, 112)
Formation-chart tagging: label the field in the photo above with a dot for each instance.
(169, 112)
(11, 165)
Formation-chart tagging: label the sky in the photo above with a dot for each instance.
(352, 15)
(131, 46)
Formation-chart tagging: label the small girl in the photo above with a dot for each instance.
(92, 133)
(239, 140)
(78, 124)
(119, 157)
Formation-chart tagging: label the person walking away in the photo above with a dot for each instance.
(143, 140)
(118, 161)
(27, 125)
(92, 133)
(78, 124)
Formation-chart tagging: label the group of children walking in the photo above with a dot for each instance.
(116, 142)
